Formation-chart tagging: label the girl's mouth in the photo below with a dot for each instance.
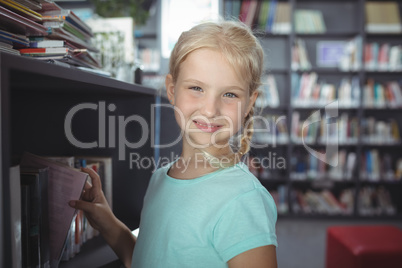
(206, 127)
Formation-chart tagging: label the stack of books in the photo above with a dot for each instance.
(45, 31)
(19, 20)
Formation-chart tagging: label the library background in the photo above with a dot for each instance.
(81, 81)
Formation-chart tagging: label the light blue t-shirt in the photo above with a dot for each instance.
(203, 222)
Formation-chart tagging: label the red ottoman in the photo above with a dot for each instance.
(364, 246)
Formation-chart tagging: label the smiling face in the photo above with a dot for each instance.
(210, 100)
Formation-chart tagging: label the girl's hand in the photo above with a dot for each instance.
(94, 203)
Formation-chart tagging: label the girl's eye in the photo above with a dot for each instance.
(196, 88)
(230, 95)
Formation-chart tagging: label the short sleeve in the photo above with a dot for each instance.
(247, 222)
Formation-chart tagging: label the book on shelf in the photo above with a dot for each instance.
(374, 201)
(282, 23)
(45, 43)
(322, 202)
(308, 167)
(269, 93)
(309, 21)
(21, 9)
(16, 40)
(382, 57)
(309, 91)
(36, 180)
(15, 23)
(300, 58)
(382, 95)
(377, 132)
(270, 16)
(271, 129)
(15, 217)
(377, 166)
(351, 60)
(250, 12)
(280, 197)
(8, 48)
(382, 17)
(64, 184)
(32, 4)
(38, 177)
(68, 17)
(48, 51)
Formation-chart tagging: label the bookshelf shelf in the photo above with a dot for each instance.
(328, 35)
(322, 70)
(289, 69)
(35, 99)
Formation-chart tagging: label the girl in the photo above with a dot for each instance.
(205, 209)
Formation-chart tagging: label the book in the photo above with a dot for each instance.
(271, 16)
(68, 16)
(32, 4)
(38, 177)
(25, 215)
(15, 39)
(15, 217)
(18, 24)
(44, 51)
(22, 10)
(309, 21)
(31, 181)
(64, 184)
(382, 17)
(282, 23)
(47, 43)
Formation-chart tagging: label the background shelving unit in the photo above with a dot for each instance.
(344, 21)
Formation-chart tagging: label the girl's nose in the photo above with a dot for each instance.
(210, 107)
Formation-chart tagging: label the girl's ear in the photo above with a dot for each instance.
(252, 100)
(169, 87)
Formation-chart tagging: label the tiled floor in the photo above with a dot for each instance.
(301, 242)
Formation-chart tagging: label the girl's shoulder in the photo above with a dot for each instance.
(240, 177)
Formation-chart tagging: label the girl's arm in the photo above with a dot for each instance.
(101, 217)
(261, 257)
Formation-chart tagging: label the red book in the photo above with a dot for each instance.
(45, 51)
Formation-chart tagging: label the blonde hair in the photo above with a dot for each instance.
(238, 46)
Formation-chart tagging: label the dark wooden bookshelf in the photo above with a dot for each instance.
(35, 98)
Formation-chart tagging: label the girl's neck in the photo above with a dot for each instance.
(194, 163)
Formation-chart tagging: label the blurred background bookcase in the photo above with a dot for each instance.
(365, 184)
